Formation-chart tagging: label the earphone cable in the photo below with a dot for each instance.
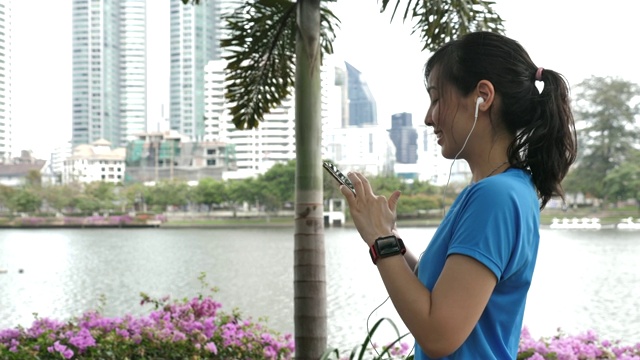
(444, 192)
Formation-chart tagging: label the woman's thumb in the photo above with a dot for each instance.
(393, 200)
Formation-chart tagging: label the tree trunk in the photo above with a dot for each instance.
(309, 284)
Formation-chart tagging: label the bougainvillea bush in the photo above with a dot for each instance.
(187, 329)
(584, 346)
(198, 329)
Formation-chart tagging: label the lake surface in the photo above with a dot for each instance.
(584, 279)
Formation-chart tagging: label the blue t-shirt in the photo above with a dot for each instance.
(495, 221)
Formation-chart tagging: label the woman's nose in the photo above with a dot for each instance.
(428, 119)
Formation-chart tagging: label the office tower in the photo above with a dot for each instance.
(193, 45)
(6, 131)
(256, 150)
(109, 76)
(362, 105)
(405, 138)
(222, 8)
(342, 90)
(133, 109)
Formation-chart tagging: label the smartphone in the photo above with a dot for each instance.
(338, 175)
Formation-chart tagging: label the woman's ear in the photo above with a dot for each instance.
(485, 90)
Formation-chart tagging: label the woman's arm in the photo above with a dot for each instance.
(441, 320)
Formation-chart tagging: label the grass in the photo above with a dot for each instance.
(275, 221)
(607, 217)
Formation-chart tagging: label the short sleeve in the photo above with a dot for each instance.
(485, 229)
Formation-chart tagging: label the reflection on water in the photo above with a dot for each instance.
(584, 279)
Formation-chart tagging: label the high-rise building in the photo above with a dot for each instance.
(222, 8)
(256, 150)
(193, 45)
(405, 138)
(6, 131)
(133, 56)
(109, 76)
(362, 105)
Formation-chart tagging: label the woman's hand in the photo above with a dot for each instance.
(373, 215)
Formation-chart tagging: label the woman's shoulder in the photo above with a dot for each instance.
(511, 182)
(512, 177)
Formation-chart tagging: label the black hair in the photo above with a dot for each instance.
(541, 122)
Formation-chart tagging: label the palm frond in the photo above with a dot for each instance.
(439, 21)
(261, 66)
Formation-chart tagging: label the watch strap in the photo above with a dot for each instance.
(386, 246)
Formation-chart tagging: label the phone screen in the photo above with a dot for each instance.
(338, 175)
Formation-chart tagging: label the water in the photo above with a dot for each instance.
(584, 279)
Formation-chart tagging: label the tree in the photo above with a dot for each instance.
(134, 194)
(25, 200)
(278, 180)
(33, 179)
(238, 191)
(606, 121)
(276, 44)
(6, 193)
(102, 193)
(209, 192)
(60, 197)
(623, 182)
(168, 193)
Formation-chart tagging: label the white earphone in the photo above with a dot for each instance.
(479, 101)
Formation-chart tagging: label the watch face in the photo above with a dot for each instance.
(388, 246)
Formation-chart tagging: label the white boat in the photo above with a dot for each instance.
(575, 223)
(629, 224)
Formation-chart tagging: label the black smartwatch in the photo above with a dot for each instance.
(386, 246)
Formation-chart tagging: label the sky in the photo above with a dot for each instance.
(578, 38)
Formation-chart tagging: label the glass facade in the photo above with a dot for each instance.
(6, 128)
(362, 105)
(192, 46)
(109, 76)
(405, 138)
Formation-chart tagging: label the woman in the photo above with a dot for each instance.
(468, 297)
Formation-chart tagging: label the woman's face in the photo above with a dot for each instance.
(450, 114)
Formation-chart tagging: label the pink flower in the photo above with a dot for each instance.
(211, 347)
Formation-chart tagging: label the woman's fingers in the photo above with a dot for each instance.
(363, 186)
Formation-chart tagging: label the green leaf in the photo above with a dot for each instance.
(440, 21)
(261, 64)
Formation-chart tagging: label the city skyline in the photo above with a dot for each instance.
(575, 38)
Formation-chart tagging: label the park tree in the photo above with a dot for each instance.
(60, 197)
(239, 191)
(278, 180)
(6, 193)
(209, 192)
(623, 182)
(168, 193)
(133, 195)
(102, 193)
(605, 111)
(25, 200)
(276, 46)
(33, 179)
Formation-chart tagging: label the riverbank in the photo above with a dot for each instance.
(227, 219)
